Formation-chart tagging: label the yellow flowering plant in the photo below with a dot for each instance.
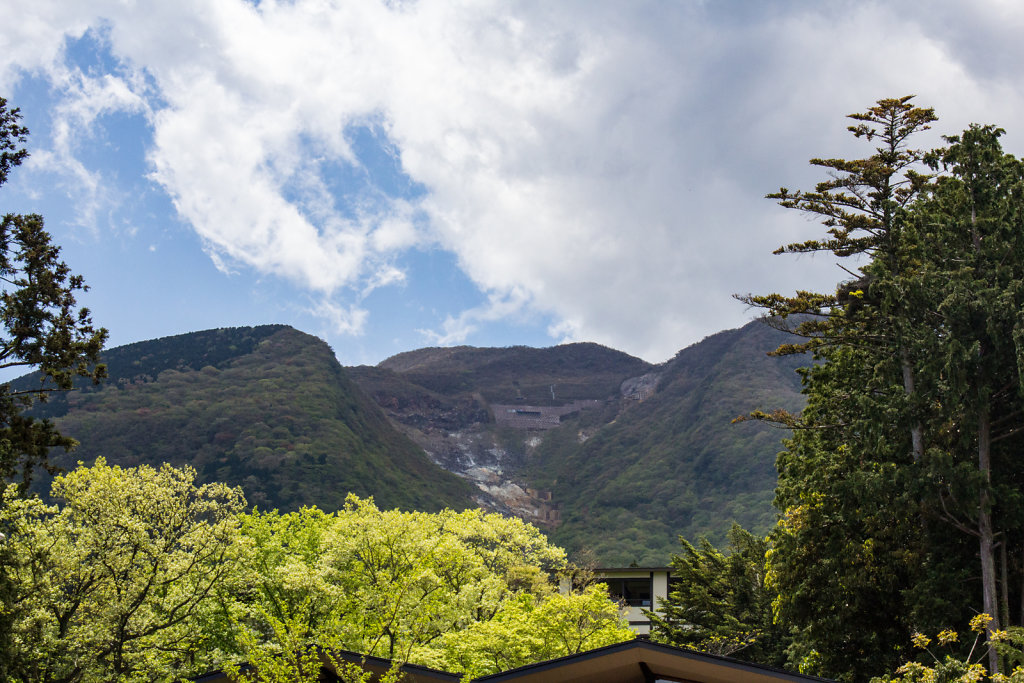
(951, 669)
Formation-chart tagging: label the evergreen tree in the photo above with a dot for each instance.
(848, 542)
(972, 251)
(719, 603)
(918, 383)
(41, 329)
(40, 326)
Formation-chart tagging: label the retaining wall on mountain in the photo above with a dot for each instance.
(520, 416)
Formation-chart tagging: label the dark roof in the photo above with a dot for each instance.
(641, 661)
(634, 661)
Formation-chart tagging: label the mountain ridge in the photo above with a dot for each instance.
(604, 451)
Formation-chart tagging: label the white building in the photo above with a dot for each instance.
(637, 588)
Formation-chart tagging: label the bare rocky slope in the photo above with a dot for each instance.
(603, 450)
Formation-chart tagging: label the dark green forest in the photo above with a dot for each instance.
(268, 408)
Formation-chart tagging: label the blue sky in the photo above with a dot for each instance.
(391, 175)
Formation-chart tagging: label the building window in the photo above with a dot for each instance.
(633, 592)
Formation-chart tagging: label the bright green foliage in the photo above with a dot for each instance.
(528, 629)
(408, 586)
(719, 603)
(111, 585)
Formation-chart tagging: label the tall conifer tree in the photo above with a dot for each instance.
(914, 416)
(849, 543)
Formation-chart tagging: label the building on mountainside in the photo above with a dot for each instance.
(637, 589)
(635, 661)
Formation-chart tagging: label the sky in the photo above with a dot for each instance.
(393, 174)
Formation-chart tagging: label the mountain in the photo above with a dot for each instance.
(480, 412)
(550, 376)
(606, 452)
(268, 408)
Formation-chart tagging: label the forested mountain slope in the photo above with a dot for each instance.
(268, 408)
(674, 464)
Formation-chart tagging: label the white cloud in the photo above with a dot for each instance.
(456, 329)
(344, 320)
(85, 99)
(597, 162)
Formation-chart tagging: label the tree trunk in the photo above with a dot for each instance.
(1021, 615)
(985, 533)
(1004, 596)
(916, 430)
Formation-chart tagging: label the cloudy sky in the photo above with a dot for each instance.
(391, 174)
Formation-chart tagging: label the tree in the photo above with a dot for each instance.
(528, 629)
(919, 379)
(849, 538)
(972, 256)
(41, 329)
(112, 584)
(719, 603)
(434, 589)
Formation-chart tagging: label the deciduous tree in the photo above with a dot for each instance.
(111, 584)
(442, 589)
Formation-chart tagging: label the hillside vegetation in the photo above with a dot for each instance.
(674, 464)
(268, 408)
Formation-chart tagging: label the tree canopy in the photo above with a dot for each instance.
(140, 574)
(452, 590)
(42, 327)
(899, 486)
